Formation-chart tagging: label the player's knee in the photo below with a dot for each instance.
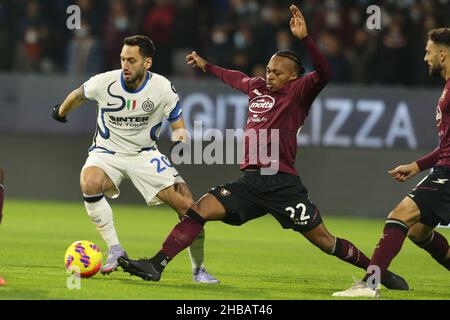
(91, 185)
(183, 201)
(183, 207)
(399, 214)
(406, 212)
(209, 208)
(395, 214)
(199, 208)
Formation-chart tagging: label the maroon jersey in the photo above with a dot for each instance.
(441, 155)
(284, 109)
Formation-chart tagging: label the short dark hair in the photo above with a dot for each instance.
(146, 46)
(440, 36)
(290, 54)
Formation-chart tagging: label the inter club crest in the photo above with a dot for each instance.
(148, 106)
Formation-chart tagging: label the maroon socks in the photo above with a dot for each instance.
(345, 250)
(394, 234)
(437, 246)
(181, 237)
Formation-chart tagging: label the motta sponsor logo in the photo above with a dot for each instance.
(261, 104)
(148, 106)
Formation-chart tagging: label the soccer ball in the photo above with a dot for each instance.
(83, 258)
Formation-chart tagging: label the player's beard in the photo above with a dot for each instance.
(435, 70)
(136, 79)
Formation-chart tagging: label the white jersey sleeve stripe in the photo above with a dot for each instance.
(176, 113)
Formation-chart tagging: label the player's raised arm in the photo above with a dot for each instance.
(72, 101)
(300, 30)
(235, 79)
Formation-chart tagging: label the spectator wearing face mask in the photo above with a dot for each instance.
(219, 48)
(84, 54)
(116, 28)
(30, 51)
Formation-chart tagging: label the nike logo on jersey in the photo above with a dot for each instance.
(111, 104)
(176, 175)
(440, 181)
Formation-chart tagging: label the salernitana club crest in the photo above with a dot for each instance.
(148, 106)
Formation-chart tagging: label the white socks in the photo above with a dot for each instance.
(100, 213)
(196, 251)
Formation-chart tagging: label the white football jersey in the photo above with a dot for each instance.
(130, 121)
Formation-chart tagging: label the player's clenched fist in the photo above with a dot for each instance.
(56, 116)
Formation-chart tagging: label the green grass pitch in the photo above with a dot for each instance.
(256, 261)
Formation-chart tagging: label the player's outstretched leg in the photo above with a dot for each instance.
(179, 238)
(404, 216)
(206, 209)
(93, 183)
(180, 199)
(348, 252)
(432, 242)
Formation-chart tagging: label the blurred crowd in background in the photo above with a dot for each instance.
(238, 34)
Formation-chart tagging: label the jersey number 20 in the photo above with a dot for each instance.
(161, 167)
